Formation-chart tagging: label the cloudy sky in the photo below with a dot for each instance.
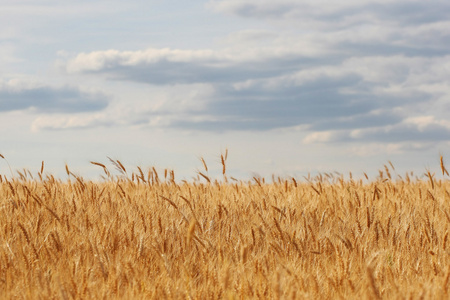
(289, 86)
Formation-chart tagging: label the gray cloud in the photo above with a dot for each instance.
(411, 12)
(346, 13)
(366, 120)
(164, 73)
(346, 71)
(347, 95)
(319, 104)
(360, 28)
(415, 132)
(407, 132)
(50, 100)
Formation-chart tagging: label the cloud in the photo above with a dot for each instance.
(61, 122)
(424, 128)
(366, 120)
(343, 71)
(54, 8)
(340, 13)
(375, 148)
(20, 95)
(259, 107)
(415, 133)
(347, 96)
(168, 66)
(366, 27)
(358, 92)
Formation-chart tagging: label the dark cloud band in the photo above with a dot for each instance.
(51, 100)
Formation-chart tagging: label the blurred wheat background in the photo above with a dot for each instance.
(143, 235)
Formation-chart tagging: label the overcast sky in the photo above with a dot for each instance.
(288, 86)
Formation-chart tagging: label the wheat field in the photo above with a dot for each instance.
(143, 235)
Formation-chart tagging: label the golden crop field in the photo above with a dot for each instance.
(140, 235)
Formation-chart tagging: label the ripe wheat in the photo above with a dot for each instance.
(140, 237)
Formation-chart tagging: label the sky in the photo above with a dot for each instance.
(289, 87)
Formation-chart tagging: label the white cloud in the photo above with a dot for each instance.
(110, 59)
(319, 137)
(69, 122)
(373, 149)
(425, 122)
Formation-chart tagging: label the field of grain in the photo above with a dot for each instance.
(143, 235)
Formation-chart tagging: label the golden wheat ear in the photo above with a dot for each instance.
(444, 170)
(10, 170)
